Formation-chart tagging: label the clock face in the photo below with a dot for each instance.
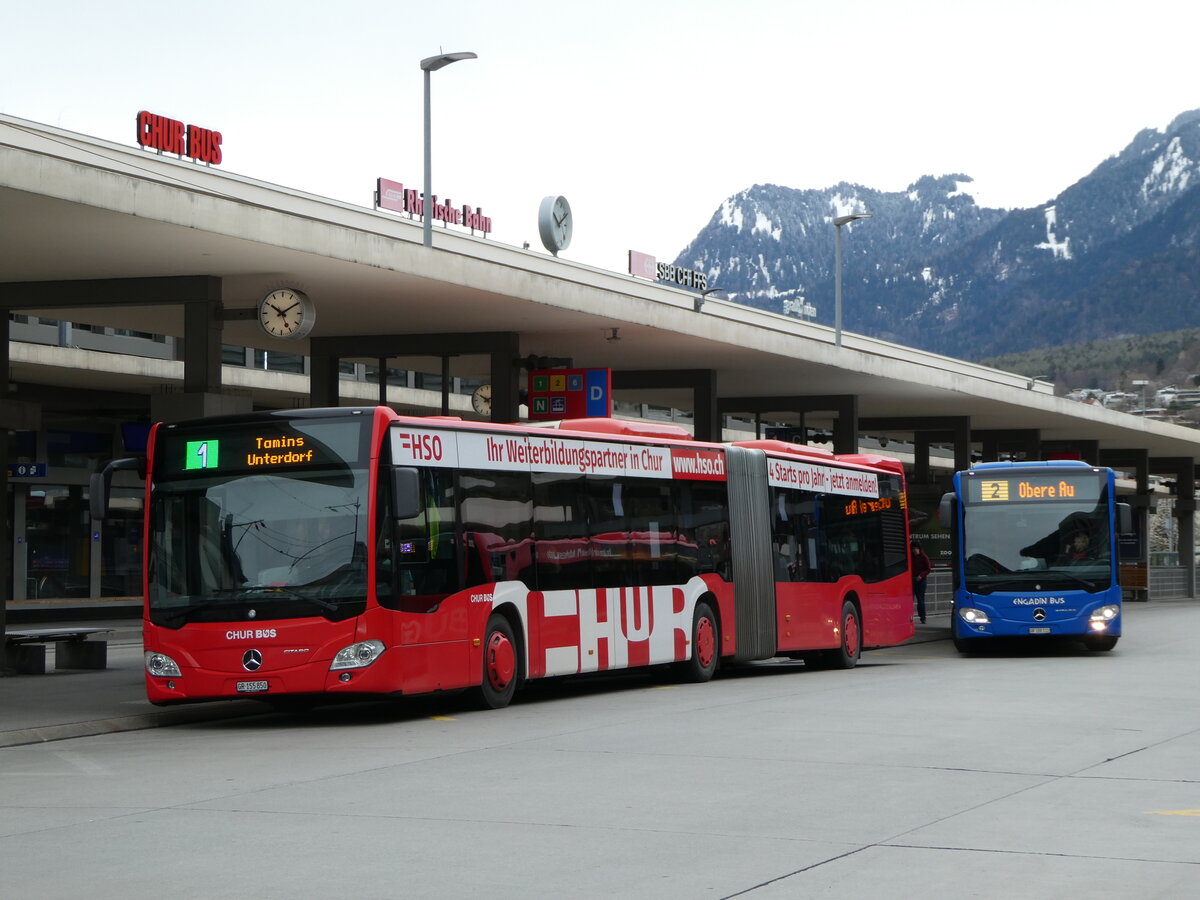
(481, 399)
(287, 313)
(555, 223)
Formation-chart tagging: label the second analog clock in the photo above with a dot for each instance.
(555, 223)
(287, 313)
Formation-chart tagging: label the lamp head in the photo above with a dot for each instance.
(433, 63)
(844, 220)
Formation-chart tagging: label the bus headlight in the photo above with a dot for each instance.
(162, 666)
(357, 656)
(973, 616)
(1102, 615)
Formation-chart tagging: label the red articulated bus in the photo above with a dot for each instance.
(302, 555)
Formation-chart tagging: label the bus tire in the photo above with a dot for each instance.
(1100, 643)
(964, 646)
(846, 655)
(501, 664)
(706, 646)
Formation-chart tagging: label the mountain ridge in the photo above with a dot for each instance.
(1114, 253)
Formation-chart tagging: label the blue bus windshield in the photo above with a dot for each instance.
(1026, 532)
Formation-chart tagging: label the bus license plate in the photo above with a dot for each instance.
(1039, 630)
(251, 687)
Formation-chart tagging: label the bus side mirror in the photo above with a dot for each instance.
(1124, 518)
(946, 511)
(406, 493)
(100, 484)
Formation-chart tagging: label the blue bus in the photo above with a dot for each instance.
(1035, 552)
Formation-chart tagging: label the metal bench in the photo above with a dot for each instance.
(74, 648)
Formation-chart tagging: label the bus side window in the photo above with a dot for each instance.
(561, 552)
(789, 564)
(704, 526)
(497, 519)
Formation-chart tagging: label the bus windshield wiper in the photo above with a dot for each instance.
(273, 591)
(1059, 573)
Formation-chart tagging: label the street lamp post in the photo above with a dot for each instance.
(837, 274)
(432, 64)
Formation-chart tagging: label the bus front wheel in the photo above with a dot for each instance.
(1103, 642)
(501, 665)
(847, 653)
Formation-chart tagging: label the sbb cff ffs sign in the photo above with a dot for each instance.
(570, 394)
(171, 136)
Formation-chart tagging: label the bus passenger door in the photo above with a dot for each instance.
(796, 593)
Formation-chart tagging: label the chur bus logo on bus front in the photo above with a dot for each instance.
(994, 490)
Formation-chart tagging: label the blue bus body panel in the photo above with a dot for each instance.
(1035, 613)
(1045, 613)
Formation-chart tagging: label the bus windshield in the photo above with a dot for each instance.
(253, 533)
(1042, 532)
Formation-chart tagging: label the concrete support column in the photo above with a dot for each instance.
(1182, 471)
(845, 428)
(323, 375)
(701, 382)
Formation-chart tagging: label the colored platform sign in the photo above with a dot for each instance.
(27, 470)
(570, 394)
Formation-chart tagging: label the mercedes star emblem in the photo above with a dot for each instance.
(1039, 615)
(252, 661)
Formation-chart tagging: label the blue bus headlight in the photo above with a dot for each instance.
(973, 616)
(1102, 615)
(357, 656)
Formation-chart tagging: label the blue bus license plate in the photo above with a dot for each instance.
(251, 687)
(1032, 631)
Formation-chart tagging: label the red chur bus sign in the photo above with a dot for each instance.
(168, 135)
(394, 196)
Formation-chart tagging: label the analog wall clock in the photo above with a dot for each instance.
(555, 223)
(481, 400)
(287, 313)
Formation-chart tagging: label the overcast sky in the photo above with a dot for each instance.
(645, 114)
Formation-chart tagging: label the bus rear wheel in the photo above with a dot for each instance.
(706, 646)
(847, 653)
(501, 665)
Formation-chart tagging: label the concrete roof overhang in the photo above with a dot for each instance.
(75, 207)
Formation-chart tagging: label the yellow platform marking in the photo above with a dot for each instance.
(1174, 812)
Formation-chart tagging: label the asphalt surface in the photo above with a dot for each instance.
(70, 703)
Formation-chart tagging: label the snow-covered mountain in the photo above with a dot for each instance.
(1116, 253)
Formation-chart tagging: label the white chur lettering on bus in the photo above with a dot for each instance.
(250, 634)
(619, 628)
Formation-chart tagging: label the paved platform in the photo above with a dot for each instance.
(63, 704)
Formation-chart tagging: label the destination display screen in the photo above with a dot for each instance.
(1051, 487)
(267, 446)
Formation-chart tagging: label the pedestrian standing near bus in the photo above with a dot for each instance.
(921, 567)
